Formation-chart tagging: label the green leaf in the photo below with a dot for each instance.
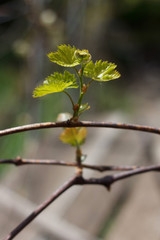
(65, 56)
(83, 108)
(56, 82)
(83, 55)
(74, 136)
(101, 71)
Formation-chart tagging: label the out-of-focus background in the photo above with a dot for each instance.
(125, 32)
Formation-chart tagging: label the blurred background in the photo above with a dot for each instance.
(125, 32)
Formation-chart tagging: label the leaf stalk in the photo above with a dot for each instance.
(69, 98)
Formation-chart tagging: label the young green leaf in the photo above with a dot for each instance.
(83, 55)
(65, 56)
(101, 71)
(56, 82)
(74, 136)
(83, 108)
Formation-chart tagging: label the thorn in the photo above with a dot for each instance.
(108, 187)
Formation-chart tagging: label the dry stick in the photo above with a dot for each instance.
(71, 124)
(107, 181)
(20, 162)
(102, 168)
(40, 208)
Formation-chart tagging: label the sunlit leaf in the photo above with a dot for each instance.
(56, 82)
(101, 71)
(74, 136)
(65, 56)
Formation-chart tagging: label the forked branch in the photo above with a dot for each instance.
(106, 181)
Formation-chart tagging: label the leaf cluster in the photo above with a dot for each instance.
(68, 56)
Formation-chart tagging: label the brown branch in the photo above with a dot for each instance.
(102, 168)
(71, 124)
(131, 170)
(20, 162)
(40, 208)
(107, 181)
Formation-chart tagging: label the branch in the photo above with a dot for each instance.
(40, 208)
(71, 124)
(20, 162)
(102, 168)
(131, 170)
(107, 181)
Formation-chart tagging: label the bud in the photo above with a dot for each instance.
(84, 88)
(76, 107)
(83, 55)
(80, 72)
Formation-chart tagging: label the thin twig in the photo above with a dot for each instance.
(71, 124)
(101, 168)
(20, 162)
(131, 170)
(108, 180)
(69, 98)
(137, 171)
(40, 208)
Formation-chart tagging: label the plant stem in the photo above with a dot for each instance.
(79, 168)
(89, 83)
(76, 71)
(69, 98)
(81, 94)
